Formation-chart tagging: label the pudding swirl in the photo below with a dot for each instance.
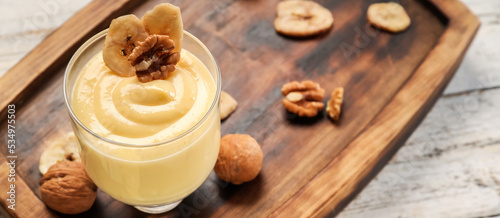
(124, 109)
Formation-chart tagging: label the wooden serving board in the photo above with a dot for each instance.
(312, 167)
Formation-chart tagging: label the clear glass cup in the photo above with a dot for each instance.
(152, 177)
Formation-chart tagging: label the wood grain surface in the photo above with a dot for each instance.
(251, 54)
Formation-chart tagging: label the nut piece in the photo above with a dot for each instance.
(63, 148)
(154, 58)
(227, 105)
(389, 16)
(240, 159)
(302, 18)
(335, 103)
(67, 188)
(303, 99)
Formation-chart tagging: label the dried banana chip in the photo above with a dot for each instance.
(165, 19)
(63, 148)
(389, 16)
(124, 34)
(302, 18)
(227, 105)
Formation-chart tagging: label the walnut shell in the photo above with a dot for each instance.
(67, 188)
(240, 159)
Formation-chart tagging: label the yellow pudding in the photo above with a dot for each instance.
(124, 110)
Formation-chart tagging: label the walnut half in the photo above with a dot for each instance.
(154, 58)
(304, 98)
(335, 103)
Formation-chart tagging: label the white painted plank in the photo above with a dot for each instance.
(483, 7)
(24, 24)
(481, 66)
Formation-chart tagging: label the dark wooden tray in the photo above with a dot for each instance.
(312, 167)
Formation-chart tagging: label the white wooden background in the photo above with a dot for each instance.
(450, 167)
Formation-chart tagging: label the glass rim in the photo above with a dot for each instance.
(103, 33)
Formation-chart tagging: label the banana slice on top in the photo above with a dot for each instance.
(63, 148)
(123, 35)
(165, 19)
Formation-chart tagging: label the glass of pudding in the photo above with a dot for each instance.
(145, 144)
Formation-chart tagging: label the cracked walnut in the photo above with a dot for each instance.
(304, 98)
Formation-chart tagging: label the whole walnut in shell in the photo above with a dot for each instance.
(67, 188)
(240, 159)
